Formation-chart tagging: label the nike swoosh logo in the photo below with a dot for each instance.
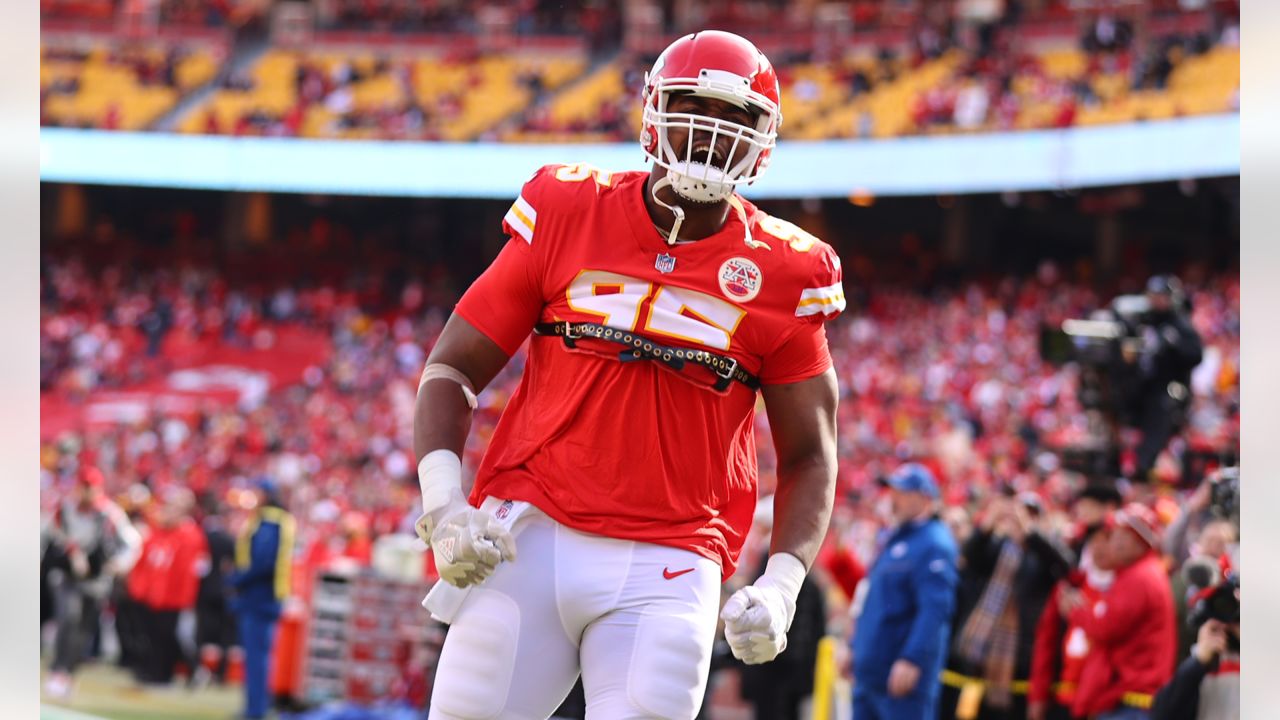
(671, 575)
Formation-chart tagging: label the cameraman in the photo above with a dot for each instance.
(1164, 351)
(1216, 501)
(1207, 684)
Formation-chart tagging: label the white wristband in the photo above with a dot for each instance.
(440, 479)
(785, 572)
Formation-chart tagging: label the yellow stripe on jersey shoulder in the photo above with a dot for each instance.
(828, 300)
(522, 218)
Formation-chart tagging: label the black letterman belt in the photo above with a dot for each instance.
(726, 369)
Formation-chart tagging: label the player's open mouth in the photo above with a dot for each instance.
(705, 152)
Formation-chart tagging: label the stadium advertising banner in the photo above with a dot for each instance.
(203, 374)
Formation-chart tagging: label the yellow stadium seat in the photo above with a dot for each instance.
(1067, 63)
(108, 83)
(583, 101)
(488, 92)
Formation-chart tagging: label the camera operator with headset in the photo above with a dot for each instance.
(1135, 357)
(1160, 354)
(1206, 685)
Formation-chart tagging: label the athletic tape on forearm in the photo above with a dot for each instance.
(440, 478)
(785, 572)
(441, 371)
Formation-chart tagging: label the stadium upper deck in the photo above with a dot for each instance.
(509, 72)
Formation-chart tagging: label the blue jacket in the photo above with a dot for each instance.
(907, 611)
(264, 562)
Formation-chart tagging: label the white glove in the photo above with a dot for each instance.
(757, 617)
(468, 544)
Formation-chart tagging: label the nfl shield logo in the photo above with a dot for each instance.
(665, 263)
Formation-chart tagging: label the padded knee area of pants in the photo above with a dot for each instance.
(478, 659)
(669, 666)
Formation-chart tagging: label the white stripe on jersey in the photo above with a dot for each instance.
(827, 300)
(527, 209)
(522, 218)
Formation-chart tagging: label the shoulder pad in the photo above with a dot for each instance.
(553, 188)
(815, 263)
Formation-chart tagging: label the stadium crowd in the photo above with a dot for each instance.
(171, 13)
(994, 77)
(397, 16)
(952, 378)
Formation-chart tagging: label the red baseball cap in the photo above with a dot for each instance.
(1140, 519)
(90, 476)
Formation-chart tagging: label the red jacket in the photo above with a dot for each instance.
(1061, 649)
(190, 563)
(149, 564)
(839, 560)
(1132, 636)
(167, 574)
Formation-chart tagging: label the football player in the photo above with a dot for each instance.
(623, 470)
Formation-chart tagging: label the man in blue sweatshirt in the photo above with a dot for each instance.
(264, 564)
(900, 638)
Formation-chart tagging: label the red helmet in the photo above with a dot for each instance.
(727, 67)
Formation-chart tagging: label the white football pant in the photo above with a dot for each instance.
(636, 619)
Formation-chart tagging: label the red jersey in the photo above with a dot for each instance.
(1133, 638)
(635, 450)
(167, 574)
(152, 559)
(1061, 649)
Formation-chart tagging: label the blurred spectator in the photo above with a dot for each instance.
(215, 624)
(1206, 685)
(1108, 34)
(1016, 563)
(1061, 646)
(85, 544)
(1130, 630)
(1194, 516)
(130, 613)
(960, 524)
(838, 557)
(1171, 349)
(358, 545)
(971, 106)
(264, 556)
(1200, 572)
(1090, 510)
(1200, 564)
(165, 583)
(901, 633)
(209, 13)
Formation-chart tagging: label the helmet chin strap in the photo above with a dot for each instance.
(678, 212)
(675, 209)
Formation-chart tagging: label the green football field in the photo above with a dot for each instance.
(105, 692)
